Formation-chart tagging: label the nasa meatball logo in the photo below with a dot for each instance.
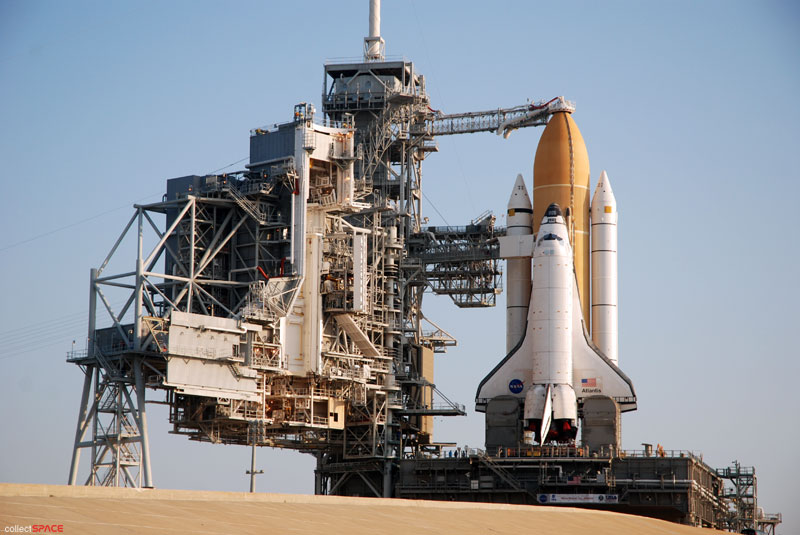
(515, 386)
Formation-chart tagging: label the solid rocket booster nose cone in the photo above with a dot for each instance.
(519, 196)
(603, 183)
(603, 201)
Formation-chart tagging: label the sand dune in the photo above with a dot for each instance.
(106, 510)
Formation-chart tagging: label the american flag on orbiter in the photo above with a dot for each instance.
(589, 382)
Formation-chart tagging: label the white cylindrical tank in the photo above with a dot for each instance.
(551, 302)
(518, 270)
(605, 334)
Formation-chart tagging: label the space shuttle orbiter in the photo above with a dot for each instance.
(555, 364)
(552, 364)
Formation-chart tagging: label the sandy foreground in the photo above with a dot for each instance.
(89, 510)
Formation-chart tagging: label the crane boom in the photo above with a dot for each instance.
(502, 121)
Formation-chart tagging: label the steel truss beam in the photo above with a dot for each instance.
(120, 451)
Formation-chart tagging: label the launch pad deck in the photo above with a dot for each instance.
(674, 486)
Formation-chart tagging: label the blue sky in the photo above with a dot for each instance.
(691, 107)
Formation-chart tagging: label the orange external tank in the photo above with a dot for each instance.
(561, 175)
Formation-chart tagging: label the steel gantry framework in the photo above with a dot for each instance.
(281, 305)
(742, 511)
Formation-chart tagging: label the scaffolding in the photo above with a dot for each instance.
(742, 512)
(461, 262)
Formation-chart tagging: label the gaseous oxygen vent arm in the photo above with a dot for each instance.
(502, 120)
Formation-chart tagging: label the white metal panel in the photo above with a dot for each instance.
(312, 324)
(206, 337)
(345, 182)
(336, 413)
(203, 321)
(360, 272)
(292, 338)
(214, 379)
(516, 246)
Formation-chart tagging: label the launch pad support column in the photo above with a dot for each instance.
(140, 401)
(387, 478)
(83, 420)
(253, 472)
(80, 431)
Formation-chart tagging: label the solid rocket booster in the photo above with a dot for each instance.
(561, 176)
(551, 328)
(518, 270)
(604, 269)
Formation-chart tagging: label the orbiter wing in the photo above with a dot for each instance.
(593, 374)
(511, 376)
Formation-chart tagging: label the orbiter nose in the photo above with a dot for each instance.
(554, 210)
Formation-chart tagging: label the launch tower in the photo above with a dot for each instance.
(281, 305)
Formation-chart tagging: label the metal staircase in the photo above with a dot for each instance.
(252, 209)
(501, 472)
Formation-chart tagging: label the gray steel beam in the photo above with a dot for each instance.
(142, 413)
(82, 426)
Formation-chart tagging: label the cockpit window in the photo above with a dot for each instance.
(549, 237)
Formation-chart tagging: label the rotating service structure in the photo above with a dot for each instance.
(281, 317)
